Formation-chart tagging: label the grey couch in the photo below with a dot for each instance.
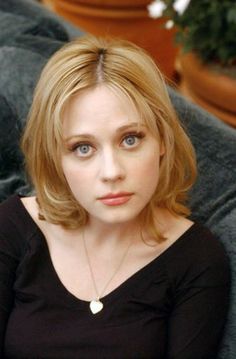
(29, 34)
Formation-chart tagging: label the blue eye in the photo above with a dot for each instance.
(83, 150)
(132, 140)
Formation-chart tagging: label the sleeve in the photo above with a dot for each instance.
(8, 264)
(200, 305)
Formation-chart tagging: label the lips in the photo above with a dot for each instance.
(115, 199)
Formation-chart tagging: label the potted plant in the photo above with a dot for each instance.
(206, 32)
(127, 19)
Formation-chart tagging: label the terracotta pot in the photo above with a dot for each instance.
(208, 87)
(126, 19)
(115, 3)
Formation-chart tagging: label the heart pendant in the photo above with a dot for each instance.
(95, 306)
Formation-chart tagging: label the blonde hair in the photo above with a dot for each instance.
(82, 64)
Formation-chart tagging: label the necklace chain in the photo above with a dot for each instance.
(98, 296)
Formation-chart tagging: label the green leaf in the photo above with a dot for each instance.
(231, 16)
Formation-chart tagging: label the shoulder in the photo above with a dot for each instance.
(204, 244)
(16, 226)
(11, 212)
(191, 239)
(198, 241)
(199, 254)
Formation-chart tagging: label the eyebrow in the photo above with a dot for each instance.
(119, 130)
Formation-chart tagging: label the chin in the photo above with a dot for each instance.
(119, 218)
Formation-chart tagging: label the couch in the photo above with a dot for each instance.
(29, 34)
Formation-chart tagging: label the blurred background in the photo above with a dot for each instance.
(192, 41)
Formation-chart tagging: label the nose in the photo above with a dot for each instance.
(111, 169)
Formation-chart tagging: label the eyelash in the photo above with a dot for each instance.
(137, 135)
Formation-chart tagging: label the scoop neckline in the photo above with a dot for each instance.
(120, 289)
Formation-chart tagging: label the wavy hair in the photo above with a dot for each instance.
(82, 64)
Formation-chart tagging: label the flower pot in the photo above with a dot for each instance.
(208, 87)
(126, 19)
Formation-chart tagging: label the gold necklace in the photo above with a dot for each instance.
(96, 304)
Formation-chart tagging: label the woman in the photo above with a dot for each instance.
(102, 262)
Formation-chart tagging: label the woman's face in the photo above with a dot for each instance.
(111, 161)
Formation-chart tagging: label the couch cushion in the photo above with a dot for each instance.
(213, 197)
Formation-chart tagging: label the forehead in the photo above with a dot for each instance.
(100, 107)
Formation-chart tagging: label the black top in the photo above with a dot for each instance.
(174, 307)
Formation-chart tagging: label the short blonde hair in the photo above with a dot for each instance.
(82, 64)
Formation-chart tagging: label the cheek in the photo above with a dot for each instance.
(75, 176)
(154, 162)
(149, 172)
(79, 184)
(151, 165)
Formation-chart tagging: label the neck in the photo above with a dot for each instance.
(100, 234)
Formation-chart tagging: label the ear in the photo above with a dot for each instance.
(162, 148)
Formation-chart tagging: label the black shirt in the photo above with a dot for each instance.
(174, 307)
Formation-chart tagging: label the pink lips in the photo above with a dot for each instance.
(116, 199)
